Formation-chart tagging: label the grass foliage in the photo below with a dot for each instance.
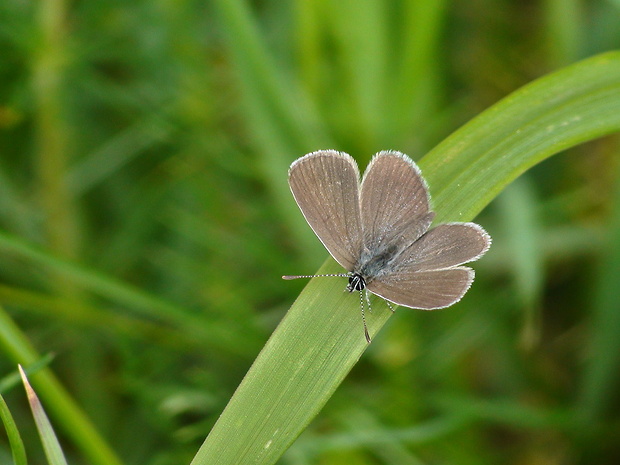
(145, 222)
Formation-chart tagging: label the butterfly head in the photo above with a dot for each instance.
(356, 283)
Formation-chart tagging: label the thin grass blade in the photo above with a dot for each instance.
(73, 420)
(15, 441)
(53, 451)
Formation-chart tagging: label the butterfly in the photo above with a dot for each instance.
(378, 229)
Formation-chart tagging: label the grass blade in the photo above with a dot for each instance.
(72, 418)
(522, 233)
(142, 302)
(52, 448)
(321, 339)
(601, 378)
(17, 446)
(278, 114)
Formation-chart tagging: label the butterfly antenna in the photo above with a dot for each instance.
(364, 318)
(339, 275)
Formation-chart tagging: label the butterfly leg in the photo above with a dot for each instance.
(368, 301)
(364, 317)
(389, 305)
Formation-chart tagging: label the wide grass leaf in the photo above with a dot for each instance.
(321, 337)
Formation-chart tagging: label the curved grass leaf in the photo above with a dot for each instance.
(321, 337)
(15, 441)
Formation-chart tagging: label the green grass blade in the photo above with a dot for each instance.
(363, 60)
(13, 379)
(423, 433)
(413, 98)
(522, 234)
(17, 445)
(52, 448)
(75, 423)
(194, 326)
(565, 21)
(600, 378)
(278, 114)
(321, 337)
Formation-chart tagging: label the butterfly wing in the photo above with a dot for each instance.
(426, 290)
(446, 246)
(325, 185)
(426, 275)
(395, 202)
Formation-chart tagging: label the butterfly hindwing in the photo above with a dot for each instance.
(445, 246)
(425, 290)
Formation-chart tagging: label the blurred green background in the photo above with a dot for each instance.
(146, 222)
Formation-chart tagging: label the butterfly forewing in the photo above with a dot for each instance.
(394, 201)
(325, 185)
(426, 290)
(445, 246)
